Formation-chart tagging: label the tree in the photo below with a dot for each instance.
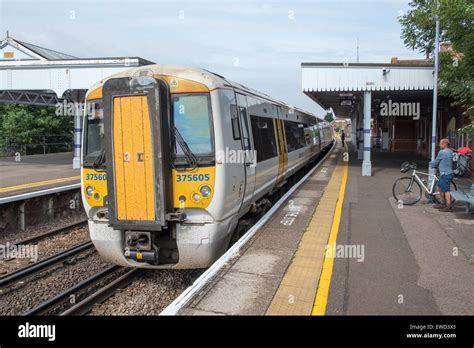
(23, 128)
(329, 117)
(456, 74)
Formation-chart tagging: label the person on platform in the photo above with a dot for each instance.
(444, 163)
(343, 138)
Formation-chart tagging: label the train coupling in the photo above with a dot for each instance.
(139, 247)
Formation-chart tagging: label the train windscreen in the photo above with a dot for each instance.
(192, 117)
(94, 132)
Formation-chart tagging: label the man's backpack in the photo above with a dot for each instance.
(461, 161)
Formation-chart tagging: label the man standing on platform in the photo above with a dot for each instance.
(444, 163)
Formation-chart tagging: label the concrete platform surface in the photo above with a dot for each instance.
(36, 172)
(418, 261)
(254, 282)
(411, 260)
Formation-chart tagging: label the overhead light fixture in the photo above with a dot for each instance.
(346, 94)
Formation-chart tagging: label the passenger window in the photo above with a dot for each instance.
(263, 137)
(295, 135)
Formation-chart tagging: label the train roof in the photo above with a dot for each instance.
(206, 77)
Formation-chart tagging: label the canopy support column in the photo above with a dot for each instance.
(366, 163)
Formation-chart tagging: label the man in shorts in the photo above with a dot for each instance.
(444, 163)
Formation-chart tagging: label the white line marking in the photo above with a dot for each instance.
(187, 295)
(38, 193)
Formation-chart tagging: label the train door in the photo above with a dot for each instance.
(249, 156)
(136, 118)
(317, 135)
(282, 147)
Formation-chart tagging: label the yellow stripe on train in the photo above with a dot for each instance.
(187, 187)
(185, 184)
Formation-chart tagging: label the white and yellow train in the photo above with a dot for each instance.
(174, 158)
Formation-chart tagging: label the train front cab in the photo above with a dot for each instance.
(145, 191)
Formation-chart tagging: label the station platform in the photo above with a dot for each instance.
(340, 245)
(36, 172)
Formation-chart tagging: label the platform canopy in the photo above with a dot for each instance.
(364, 92)
(28, 67)
(337, 85)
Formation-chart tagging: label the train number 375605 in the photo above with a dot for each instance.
(192, 177)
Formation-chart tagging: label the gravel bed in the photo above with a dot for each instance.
(46, 248)
(25, 295)
(9, 236)
(149, 294)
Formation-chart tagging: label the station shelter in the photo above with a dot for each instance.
(389, 105)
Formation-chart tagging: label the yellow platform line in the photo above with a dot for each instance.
(322, 293)
(297, 291)
(38, 183)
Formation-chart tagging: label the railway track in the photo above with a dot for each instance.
(78, 290)
(20, 274)
(51, 233)
(85, 306)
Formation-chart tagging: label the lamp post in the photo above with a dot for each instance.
(435, 88)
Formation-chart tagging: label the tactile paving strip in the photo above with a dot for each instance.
(297, 291)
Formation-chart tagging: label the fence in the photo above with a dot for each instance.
(39, 145)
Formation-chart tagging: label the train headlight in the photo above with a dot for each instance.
(196, 196)
(89, 190)
(205, 191)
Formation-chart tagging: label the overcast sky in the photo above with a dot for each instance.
(258, 43)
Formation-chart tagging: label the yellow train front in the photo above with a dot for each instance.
(175, 158)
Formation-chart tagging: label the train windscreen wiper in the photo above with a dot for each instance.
(190, 157)
(99, 161)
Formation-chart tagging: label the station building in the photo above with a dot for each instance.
(389, 105)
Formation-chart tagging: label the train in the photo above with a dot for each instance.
(174, 159)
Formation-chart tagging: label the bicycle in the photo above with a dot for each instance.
(408, 189)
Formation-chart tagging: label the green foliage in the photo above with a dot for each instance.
(329, 117)
(24, 128)
(456, 76)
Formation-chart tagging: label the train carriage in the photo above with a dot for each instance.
(174, 158)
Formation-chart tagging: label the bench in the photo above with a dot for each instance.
(465, 197)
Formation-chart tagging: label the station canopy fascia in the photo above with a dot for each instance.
(340, 86)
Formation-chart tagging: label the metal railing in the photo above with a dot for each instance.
(39, 145)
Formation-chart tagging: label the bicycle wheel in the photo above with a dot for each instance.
(406, 191)
(452, 187)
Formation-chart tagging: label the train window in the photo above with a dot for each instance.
(295, 135)
(235, 121)
(192, 117)
(94, 132)
(308, 134)
(245, 127)
(263, 137)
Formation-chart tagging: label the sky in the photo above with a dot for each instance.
(260, 44)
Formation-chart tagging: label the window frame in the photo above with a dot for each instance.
(87, 162)
(203, 160)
